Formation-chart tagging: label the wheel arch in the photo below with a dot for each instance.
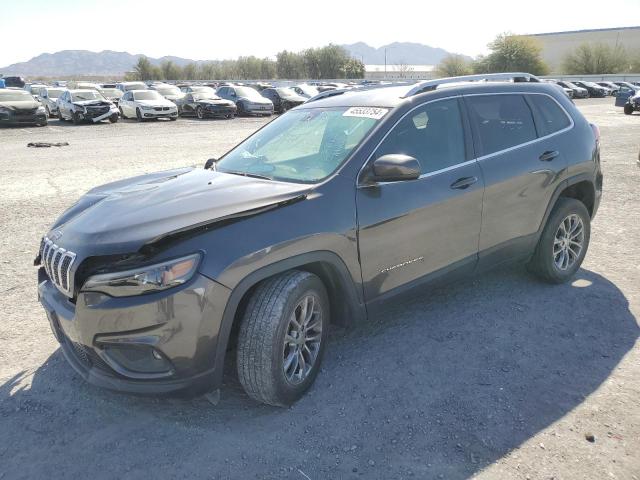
(581, 187)
(344, 295)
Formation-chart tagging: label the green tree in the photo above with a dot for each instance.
(512, 53)
(454, 65)
(332, 60)
(190, 72)
(354, 68)
(170, 71)
(290, 65)
(143, 70)
(595, 58)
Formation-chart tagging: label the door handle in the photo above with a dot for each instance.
(464, 182)
(549, 155)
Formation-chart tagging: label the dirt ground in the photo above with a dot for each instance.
(495, 377)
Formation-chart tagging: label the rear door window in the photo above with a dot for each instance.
(432, 134)
(550, 117)
(501, 121)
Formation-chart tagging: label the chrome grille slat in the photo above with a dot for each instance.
(57, 262)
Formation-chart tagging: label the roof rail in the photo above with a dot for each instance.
(429, 85)
(357, 88)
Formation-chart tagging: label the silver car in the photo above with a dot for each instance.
(49, 98)
(247, 100)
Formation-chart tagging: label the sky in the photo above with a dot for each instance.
(208, 30)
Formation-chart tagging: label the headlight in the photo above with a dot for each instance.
(41, 109)
(79, 108)
(142, 280)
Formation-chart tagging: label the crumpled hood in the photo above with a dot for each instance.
(123, 216)
(85, 103)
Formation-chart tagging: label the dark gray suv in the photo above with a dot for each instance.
(317, 217)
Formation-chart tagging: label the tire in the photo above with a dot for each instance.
(76, 120)
(173, 119)
(48, 112)
(199, 113)
(628, 109)
(113, 118)
(42, 124)
(544, 262)
(240, 109)
(121, 112)
(139, 115)
(261, 342)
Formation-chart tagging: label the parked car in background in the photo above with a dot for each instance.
(324, 88)
(594, 89)
(568, 91)
(248, 101)
(578, 92)
(16, 82)
(205, 105)
(34, 89)
(112, 94)
(170, 92)
(628, 85)
(49, 98)
(306, 90)
(126, 86)
(60, 83)
(85, 86)
(611, 86)
(283, 99)
(633, 103)
(108, 85)
(18, 107)
(86, 106)
(146, 105)
(2, 84)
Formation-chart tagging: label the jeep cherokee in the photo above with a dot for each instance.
(332, 207)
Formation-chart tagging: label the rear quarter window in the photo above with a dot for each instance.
(550, 116)
(501, 121)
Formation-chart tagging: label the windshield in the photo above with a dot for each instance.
(147, 95)
(590, 84)
(286, 92)
(205, 96)
(54, 92)
(14, 96)
(570, 85)
(168, 90)
(135, 86)
(309, 90)
(248, 92)
(111, 92)
(302, 146)
(86, 95)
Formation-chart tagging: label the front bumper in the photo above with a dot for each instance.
(97, 115)
(159, 112)
(259, 109)
(149, 344)
(13, 118)
(218, 111)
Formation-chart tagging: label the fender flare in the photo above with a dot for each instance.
(562, 186)
(349, 300)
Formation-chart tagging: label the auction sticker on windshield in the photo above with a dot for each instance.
(366, 112)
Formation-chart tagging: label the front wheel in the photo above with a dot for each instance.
(563, 243)
(139, 115)
(76, 118)
(628, 109)
(282, 337)
(199, 113)
(113, 118)
(240, 109)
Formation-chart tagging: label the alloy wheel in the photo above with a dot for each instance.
(302, 339)
(568, 242)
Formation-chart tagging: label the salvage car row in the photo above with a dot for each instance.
(91, 103)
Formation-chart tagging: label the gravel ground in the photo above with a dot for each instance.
(498, 376)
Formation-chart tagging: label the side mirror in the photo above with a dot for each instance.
(210, 163)
(395, 168)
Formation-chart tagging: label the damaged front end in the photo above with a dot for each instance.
(95, 111)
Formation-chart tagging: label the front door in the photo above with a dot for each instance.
(409, 229)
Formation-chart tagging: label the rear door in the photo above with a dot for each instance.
(410, 229)
(517, 138)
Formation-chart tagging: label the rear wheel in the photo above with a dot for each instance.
(282, 337)
(563, 243)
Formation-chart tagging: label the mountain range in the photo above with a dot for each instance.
(105, 63)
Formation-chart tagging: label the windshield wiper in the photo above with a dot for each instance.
(245, 174)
